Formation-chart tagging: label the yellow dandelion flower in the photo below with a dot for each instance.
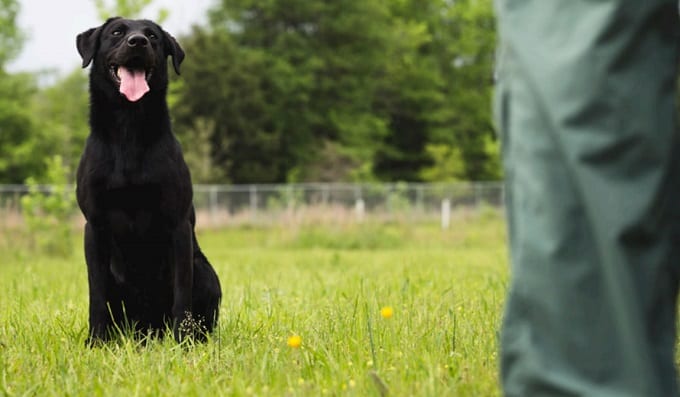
(294, 341)
(386, 312)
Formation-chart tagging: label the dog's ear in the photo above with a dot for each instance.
(88, 42)
(173, 49)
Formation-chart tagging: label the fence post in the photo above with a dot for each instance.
(360, 209)
(446, 213)
(324, 194)
(290, 199)
(253, 201)
(359, 205)
(212, 197)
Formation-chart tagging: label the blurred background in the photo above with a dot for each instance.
(315, 101)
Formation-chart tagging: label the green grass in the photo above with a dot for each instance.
(324, 283)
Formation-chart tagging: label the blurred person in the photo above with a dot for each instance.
(586, 106)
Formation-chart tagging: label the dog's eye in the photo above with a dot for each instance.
(152, 36)
(117, 32)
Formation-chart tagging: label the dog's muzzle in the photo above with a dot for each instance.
(133, 74)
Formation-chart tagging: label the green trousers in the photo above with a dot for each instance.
(586, 106)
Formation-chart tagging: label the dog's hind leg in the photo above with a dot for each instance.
(207, 292)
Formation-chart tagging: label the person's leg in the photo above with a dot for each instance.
(586, 106)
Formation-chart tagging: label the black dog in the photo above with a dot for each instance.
(144, 266)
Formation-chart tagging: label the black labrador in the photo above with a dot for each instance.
(145, 268)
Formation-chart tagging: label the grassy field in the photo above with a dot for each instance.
(325, 284)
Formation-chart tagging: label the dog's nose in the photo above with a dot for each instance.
(137, 40)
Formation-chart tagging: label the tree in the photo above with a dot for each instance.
(437, 93)
(350, 44)
(294, 90)
(281, 80)
(221, 92)
(11, 38)
(127, 9)
(19, 150)
(63, 123)
(18, 158)
(411, 95)
(467, 59)
(26, 140)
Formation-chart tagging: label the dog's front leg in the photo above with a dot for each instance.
(98, 258)
(183, 269)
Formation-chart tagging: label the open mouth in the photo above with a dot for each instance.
(133, 83)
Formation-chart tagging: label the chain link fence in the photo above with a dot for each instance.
(220, 205)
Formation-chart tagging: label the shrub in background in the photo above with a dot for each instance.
(48, 209)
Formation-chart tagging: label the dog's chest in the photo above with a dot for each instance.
(134, 189)
(137, 224)
(131, 197)
(129, 186)
(126, 167)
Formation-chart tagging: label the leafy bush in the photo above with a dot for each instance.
(47, 211)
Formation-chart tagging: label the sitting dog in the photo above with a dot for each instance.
(145, 268)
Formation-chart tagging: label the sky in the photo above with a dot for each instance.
(52, 26)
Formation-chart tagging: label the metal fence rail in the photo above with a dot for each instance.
(267, 203)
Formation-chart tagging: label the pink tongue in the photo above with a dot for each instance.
(132, 83)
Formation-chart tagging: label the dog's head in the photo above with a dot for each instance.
(130, 55)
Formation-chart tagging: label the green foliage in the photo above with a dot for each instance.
(398, 200)
(298, 91)
(412, 96)
(468, 59)
(283, 79)
(18, 157)
(287, 199)
(20, 147)
(63, 125)
(447, 164)
(11, 37)
(127, 9)
(49, 213)
(26, 140)
(222, 90)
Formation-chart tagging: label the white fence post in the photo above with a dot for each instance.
(360, 209)
(446, 213)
